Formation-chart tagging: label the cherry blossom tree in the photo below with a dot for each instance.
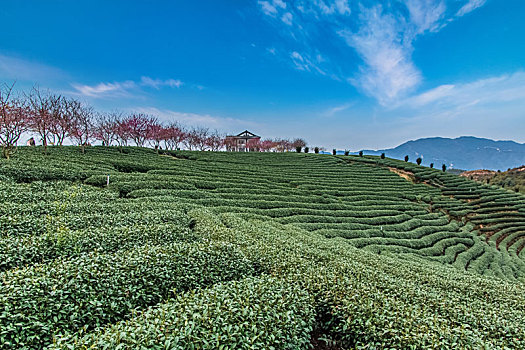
(40, 117)
(13, 119)
(196, 138)
(82, 123)
(215, 141)
(105, 129)
(267, 145)
(174, 136)
(155, 133)
(122, 132)
(60, 120)
(138, 124)
(229, 143)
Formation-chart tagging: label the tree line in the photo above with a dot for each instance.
(55, 118)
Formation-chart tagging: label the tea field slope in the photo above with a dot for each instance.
(254, 250)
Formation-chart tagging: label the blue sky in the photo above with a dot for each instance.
(339, 73)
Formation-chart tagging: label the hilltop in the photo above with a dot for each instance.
(254, 250)
(512, 179)
(466, 152)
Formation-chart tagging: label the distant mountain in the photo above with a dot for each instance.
(464, 152)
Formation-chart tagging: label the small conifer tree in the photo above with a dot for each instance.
(382, 156)
(316, 150)
(406, 158)
(418, 161)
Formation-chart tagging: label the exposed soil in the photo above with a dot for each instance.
(478, 175)
(407, 175)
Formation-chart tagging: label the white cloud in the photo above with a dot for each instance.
(426, 14)
(279, 3)
(470, 6)
(303, 62)
(500, 90)
(383, 36)
(267, 8)
(115, 89)
(431, 95)
(17, 68)
(287, 18)
(125, 88)
(388, 70)
(157, 83)
(339, 6)
(334, 110)
(271, 50)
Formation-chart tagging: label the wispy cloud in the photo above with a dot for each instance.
(158, 83)
(125, 88)
(382, 35)
(287, 18)
(225, 124)
(470, 6)
(426, 15)
(388, 69)
(270, 8)
(115, 89)
(330, 112)
(16, 68)
(492, 91)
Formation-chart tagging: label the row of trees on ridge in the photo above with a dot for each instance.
(55, 118)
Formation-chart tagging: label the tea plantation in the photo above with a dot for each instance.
(217, 250)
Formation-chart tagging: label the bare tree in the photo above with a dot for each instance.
(283, 145)
(267, 145)
(13, 119)
(105, 129)
(215, 141)
(138, 124)
(298, 143)
(174, 135)
(81, 122)
(155, 133)
(40, 117)
(196, 138)
(60, 120)
(122, 132)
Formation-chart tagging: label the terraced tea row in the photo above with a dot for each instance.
(210, 249)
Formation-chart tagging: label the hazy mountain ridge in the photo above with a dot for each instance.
(466, 152)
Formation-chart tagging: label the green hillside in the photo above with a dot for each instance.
(193, 250)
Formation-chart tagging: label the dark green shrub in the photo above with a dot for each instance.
(418, 161)
(255, 313)
(406, 158)
(96, 289)
(306, 150)
(347, 152)
(444, 167)
(316, 150)
(360, 153)
(382, 156)
(298, 149)
(431, 165)
(334, 151)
